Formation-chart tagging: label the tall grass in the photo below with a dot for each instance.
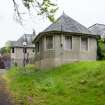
(81, 83)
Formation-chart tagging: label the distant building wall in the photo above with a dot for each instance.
(18, 56)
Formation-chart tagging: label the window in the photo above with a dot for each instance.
(68, 42)
(49, 42)
(25, 50)
(13, 50)
(84, 44)
(33, 50)
(37, 47)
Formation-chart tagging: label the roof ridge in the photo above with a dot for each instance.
(91, 26)
(96, 24)
(21, 38)
(100, 24)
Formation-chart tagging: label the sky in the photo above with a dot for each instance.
(86, 12)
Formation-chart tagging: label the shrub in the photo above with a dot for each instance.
(31, 68)
(101, 49)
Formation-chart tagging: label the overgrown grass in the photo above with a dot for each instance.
(81, 83)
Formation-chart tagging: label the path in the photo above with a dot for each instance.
(4, 96)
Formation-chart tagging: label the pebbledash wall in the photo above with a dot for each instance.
(18, 49)
(71, 42)
(47, 58)
(18, 56)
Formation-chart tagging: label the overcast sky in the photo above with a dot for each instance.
(86, 12)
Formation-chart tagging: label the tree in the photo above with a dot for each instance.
(4, 50)
(42, 7)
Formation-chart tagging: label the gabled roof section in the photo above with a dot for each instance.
(67, 24)
(27, 36)
(97, 29)
(19, 42)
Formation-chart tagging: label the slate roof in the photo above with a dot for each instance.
(98, 29)
(67, 24)
(19, 42)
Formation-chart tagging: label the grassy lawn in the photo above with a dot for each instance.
(81, 83)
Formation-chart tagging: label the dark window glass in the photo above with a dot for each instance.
(25, 50)
(37, 47)
(13, 50)
(84, 44)
(33, 50)
(68, 42)
(49, 42)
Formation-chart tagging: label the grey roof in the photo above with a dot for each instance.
(19, 42)
(97, 29)
(27, 36)
(67, 24)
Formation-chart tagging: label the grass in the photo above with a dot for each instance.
(81, 83)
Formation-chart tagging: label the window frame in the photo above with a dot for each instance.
(52, 42)
(70, 42)
(13, 50)
(25, 50)
(37, 48)
(33, 50)
(87, 49)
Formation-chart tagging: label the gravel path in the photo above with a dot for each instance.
(4, 96)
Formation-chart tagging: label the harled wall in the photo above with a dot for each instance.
(18, 56)
(58, 55)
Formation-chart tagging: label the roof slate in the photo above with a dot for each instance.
(67, 24)
(19, 42)
(98, 29)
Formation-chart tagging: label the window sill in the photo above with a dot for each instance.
(37, 53)
(85, 51)
(50, 49)
(68, 49)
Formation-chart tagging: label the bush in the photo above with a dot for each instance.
(2, 66)
(31, 68)
(101, 49)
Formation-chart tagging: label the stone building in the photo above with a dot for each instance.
(21, 54)
(98, 29)
(64, 41)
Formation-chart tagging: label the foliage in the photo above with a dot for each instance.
(31, 68)
(42, 7)
(81, 83)
(101, 49)
(2, 66)
(5, 50)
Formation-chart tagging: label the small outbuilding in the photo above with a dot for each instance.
(64, 41)
(22, 54)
